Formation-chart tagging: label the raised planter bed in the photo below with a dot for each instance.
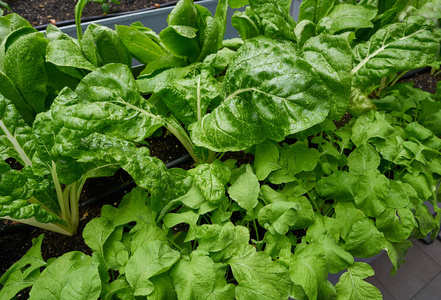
(314, 188)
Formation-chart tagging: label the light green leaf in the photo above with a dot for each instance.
(266, 160)
(149, 260)
(24, 272)
(339, 186)
(211, 179)
(369, 127)
(214, 238)
(352, 287)
(308, 269)
(363, 159)
(71, 276)
(258, 276)
(397, 253)
(364, 239)
(245, 190)
(396, 225)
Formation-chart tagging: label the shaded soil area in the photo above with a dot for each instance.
(39, 12)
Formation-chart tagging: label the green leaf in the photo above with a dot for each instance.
(347, 215)
(397, 253)
(140, 45)
(65, 52)
(339, 186)
(278, 217)
(211, 179)
(363, 159)
(397, 47)
(307, 270)
(352, 287)
(369, 127)
(191, 218)
(195, 277)
(373, 191)
(245, 190)
(181, 46)
(266, 159)
(24, 65)
(164, 288)
(364, 239)
(349, 16)
(237, 3)
(275, 19)
(96, 233)
(109, 46)
(258, 276)
(241, 237)
(149, 260)
(189, 98)
(24, 272)
(431, 115)
(331, 57)
(71, 276)
(214, 238)
(315, 10)
(258, 105)
(396, 225)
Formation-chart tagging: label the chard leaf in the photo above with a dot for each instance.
(15, 134)
(10, 91)
(331, 57)
(315, 10)
(245, 190)
(109, 47)
(397, 47)
(259, 106)
(245, 23)
(349, 16)
(23, 273)
(180, 45)
(189, 98)
(149, 260)
(24, 65)
(275, 20)
(114, 84)
(351, 285)
(258, 276)
(140, 45)
(71, 276)
(65, 52)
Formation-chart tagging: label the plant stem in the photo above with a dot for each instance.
(312, 201)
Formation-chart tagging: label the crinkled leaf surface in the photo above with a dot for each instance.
(271, 91)
(397, 47)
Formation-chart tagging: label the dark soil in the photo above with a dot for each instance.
(39, 12)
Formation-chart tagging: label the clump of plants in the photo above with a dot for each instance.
(316, 195)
